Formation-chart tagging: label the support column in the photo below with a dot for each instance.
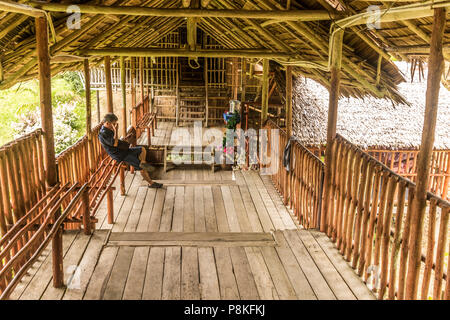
(45, 96)
(108, 84)
(336, 57)
(265, 92)
(48, 144)
(124, 117)
(288, 120)
(87, 81)
(289, 101)
(435, 69)
(141, 81)
(133, 81)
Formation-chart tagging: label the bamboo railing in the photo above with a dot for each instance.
(403, 162)
(301, 188)
(369, 219)
(22, 178)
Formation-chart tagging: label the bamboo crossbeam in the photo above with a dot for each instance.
(153, 52)
(285, 15)
(21, 8)
(406, 12)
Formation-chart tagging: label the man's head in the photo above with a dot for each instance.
(110, 119)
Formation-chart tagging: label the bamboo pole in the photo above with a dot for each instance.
(87, 81)
(124, 118)
(332, 120)
(265, 92)
(46, 100)
(289, 101)
(141, 83)
(283, 15)
(435, 69)
(209, 53)
(108, 84)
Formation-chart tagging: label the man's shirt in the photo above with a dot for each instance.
(106, 137)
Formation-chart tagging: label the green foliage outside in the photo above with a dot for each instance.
(20, 112)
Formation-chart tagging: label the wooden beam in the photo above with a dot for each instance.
(108, 84)
(284, 15)
(265, 92)
(336, 58)
(154, 52)
(289, 101)
(435, 70)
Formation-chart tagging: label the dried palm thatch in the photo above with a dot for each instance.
(369, 122)
(364, 72)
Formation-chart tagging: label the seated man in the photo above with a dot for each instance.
(135, 156)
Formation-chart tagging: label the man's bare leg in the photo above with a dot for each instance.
(151, 183)
(146, 176)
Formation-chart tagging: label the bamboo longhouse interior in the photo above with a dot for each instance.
(188, 59)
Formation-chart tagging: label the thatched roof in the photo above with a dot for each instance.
(369, 122)
(306, 40)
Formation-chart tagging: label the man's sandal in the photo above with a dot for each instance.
(155, 185)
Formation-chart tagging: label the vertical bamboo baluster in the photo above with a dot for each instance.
(386, 236)
(342, 196)
(12, 186)
(447, 281)
(429, 259)
(351, 164)
(405, 243)
(337, 187)
(360, 210)
(41, 162)
(365, 216)
(397, 239)
(24, 176)
(379, 228)
(351, 215)
(332, 189)
(440, 252)
(4, 199)
(372, 219)
(39, 192)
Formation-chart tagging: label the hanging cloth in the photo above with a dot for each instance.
(287, 155)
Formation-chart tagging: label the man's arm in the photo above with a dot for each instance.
(116, 138)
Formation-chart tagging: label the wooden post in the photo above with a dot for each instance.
(152, 87)
(265, 92)
(86, 212)
(435, 69)
(206, 93)
(97, 93)
(87, 80)
(110, 206)
(108, 84)
(141, 82)
(235, 78)
(45, 96)
(133, 81)
(336, 58)
(124, 117)
(289, 101)
(287, 193)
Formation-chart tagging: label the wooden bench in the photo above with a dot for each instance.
(146, 123)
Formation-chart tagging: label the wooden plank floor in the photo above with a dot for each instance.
(225, 222)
